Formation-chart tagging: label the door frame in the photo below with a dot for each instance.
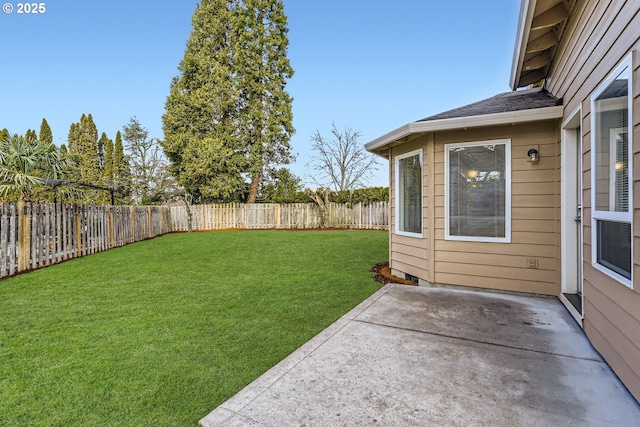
(571, 237)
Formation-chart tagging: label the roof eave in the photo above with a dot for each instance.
(382, 143)
(527, 9)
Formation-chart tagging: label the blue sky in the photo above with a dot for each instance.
(370, 65)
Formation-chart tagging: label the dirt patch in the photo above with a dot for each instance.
(382, 273)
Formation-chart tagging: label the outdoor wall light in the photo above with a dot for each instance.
(534, 156)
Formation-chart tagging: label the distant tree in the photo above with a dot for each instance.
(121, 172)
(281, 186)
(262, 68)
(146, 162)
(341, 161)
(105, 165)
(31, 135)
(3, 134)
(200, 122)
(228, 116)
(45, 132)
(24, 162)
(102, 145)
(108, 171)
(83, 147)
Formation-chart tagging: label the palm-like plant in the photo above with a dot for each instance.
(24, 162)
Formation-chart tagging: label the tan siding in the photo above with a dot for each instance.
(535, 209)
(410, 255)
(497, 283)
(603, 322)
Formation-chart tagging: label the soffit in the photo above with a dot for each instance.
(540, 29)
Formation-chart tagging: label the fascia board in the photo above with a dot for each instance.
(394, 135)
(521, 116)
(527, 7)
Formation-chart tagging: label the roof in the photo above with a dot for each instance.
(506, 108)
(502, 103)
(541, 26)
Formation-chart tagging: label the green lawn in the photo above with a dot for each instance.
(163, 331)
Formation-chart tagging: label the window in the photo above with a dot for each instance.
(611, 165)
(409, 194)
(478, 191)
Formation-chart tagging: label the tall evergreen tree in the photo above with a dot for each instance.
(4, 133)
(103, 197)
(83, 147)
(200, 124)
(108, 172)
(102, 145)
(31, 135)
(228, 115)
(262, 68)
(46, 136)
(121, 172)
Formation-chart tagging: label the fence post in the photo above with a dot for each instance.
(133, 223)
(112, 241)
(78, 231)
(149, 234)
(24, 236)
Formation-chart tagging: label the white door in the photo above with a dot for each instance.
(571, 211)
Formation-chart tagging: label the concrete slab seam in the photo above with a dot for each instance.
(478, 341)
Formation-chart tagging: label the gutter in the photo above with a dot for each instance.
(510, 117)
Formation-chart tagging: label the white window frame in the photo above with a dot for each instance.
(507, 196)
(612, 216)
(397, 194)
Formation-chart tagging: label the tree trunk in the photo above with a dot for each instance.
(321, 197)
(255, 185)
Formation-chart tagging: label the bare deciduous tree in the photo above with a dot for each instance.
(340, 161)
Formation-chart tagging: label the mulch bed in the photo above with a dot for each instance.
(382, 273)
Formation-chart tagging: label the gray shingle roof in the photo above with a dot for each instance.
(502, 103)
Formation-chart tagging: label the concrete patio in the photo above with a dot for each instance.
(414, 356)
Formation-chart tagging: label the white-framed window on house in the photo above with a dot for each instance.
(409, 194)
(478, 191)
(611, 195)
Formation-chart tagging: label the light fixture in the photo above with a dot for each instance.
(534, 156)
(470, 174)
(619, 166)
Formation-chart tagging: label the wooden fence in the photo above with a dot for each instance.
(273, 215)
(38, 235)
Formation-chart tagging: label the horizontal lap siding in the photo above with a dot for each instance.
(534, 217)
(599, 35)
(410, 255)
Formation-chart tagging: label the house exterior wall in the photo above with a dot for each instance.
(411, 255)
(599, 35)
(535, 204)
(535, 208)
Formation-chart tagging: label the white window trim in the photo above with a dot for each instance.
(507, 214)
(626, 217)
(397, 195)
